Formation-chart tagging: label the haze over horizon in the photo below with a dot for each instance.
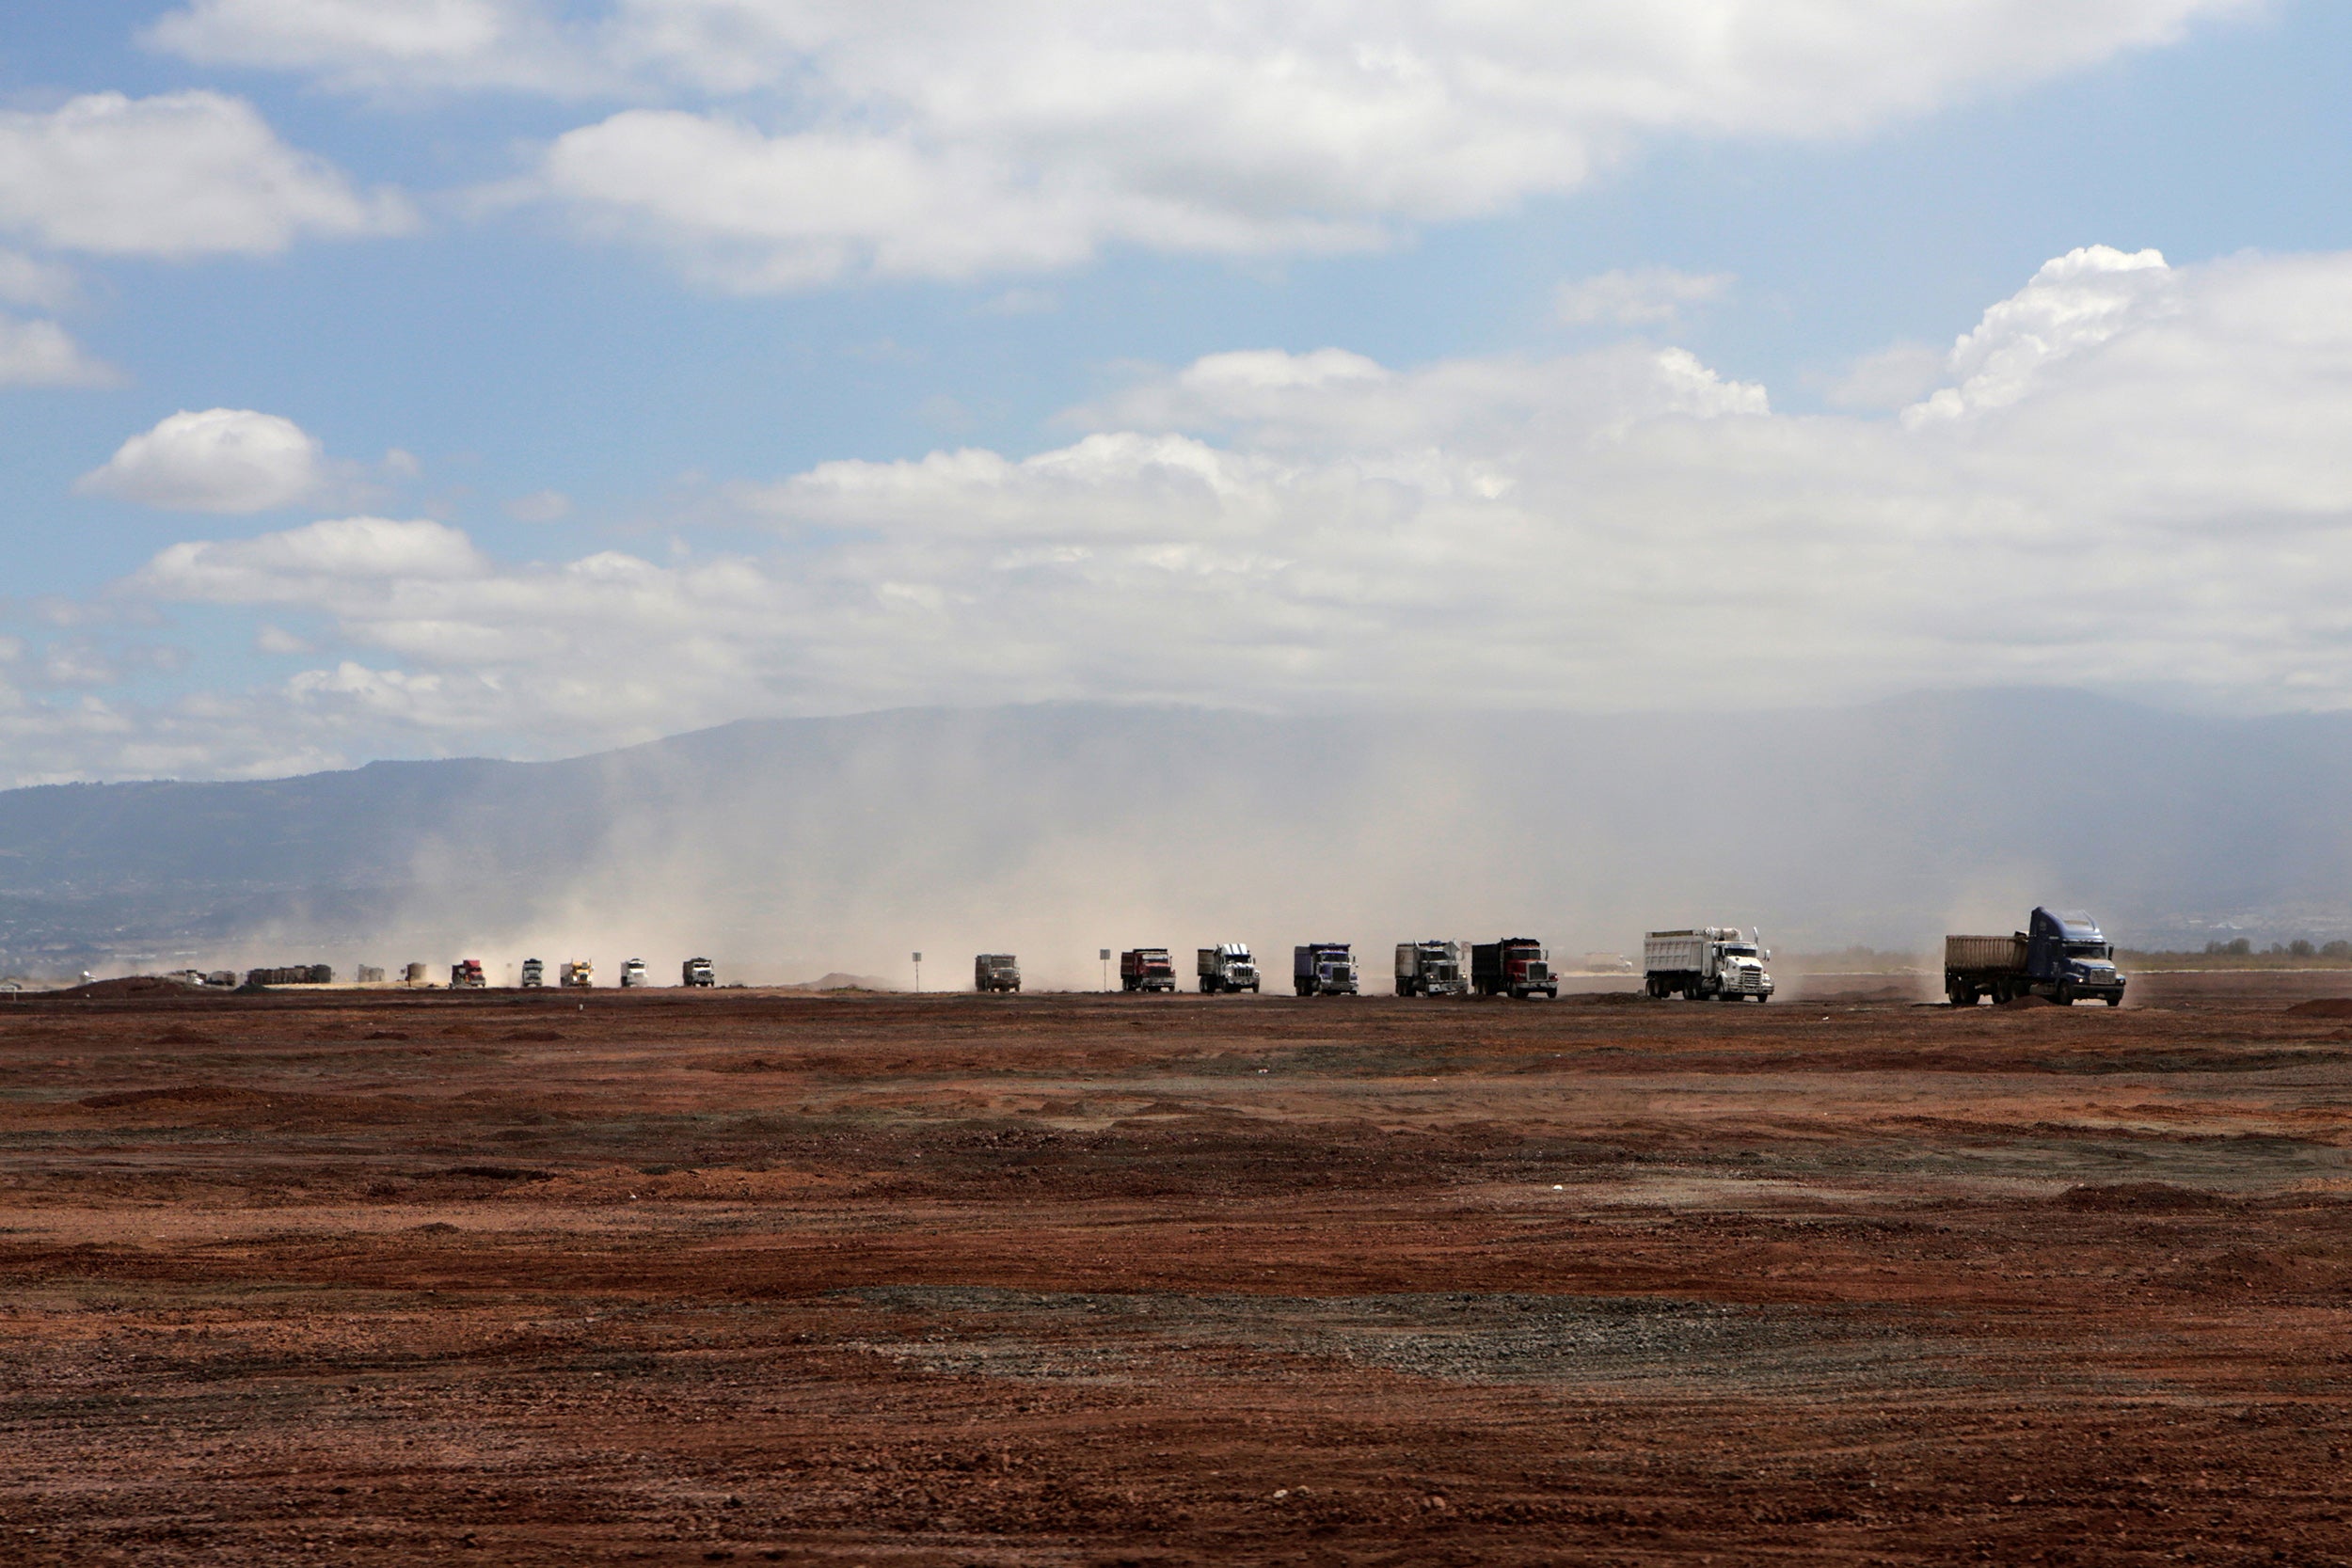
(525, 378)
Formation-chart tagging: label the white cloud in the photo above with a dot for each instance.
(2164, 505)
(43, 354)
(779, 144)
(1648, 296)
(321, 559)
(178, 175)
(219, 460)
(375, 45)
(2074, 303)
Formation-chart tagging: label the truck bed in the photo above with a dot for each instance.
(1985, 954)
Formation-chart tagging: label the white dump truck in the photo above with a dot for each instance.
(1225, 967)
(1431, 967)
(1708, 961)
(633, 973)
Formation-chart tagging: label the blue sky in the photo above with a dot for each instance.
(750, 442)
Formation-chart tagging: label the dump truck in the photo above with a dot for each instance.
(1147, 969)
(1517, 967)
(1323, 969)
(576, 974)
(1227, 967)
(2060, 955)
(633, 973)
(1721, 962)
(696, 973)
(466, 975)
(292, 974)
(1431, 967)
(995, 972)
(534, 973)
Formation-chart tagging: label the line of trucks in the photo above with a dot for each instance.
(2061, 956)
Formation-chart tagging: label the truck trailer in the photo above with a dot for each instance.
(2060, 955)
(1147, 969)
(995, 972)
(1323, 969)
(1431, 967)
(1225, 967)
(1717, 962)
(1517, 967)
(696, 973)
(292, 974)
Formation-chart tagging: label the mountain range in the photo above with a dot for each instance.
(786, 848)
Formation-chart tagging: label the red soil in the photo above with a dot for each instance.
(661, 1278)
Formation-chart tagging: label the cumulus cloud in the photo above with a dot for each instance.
(178, 175)
(43, 354)
(2075, 302)
(779, 144)
(219, 460)
(1650, 297)
(2163, 505)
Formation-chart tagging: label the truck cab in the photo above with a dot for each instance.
(1324, 969)
(1517, 967)
(1227, 966)
(1740, 972)
(534, 974)
(466, 975)
(1431, 967)
(2066, 952)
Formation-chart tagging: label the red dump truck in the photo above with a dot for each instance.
(1147, 969)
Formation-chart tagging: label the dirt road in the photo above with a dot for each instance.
(666, 1278)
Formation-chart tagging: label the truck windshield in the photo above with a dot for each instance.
(2089, 950)
(1740, 950)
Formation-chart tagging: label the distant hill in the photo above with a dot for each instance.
(786, 848)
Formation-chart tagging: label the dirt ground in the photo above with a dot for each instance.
(681, 1279)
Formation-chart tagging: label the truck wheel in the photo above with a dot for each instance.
(2113, 1000)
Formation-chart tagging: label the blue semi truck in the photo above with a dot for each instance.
(2060, 955)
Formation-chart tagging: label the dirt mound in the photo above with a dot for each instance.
(839, 981)
(145, 987)
(1607, 998)
(2027, 1002)
(2323, 1007)
(2137, 1197)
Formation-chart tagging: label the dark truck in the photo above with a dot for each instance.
(1147, 969)
(2060, 955)
(1517, 967)
(995, 972)
(1323, 969)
